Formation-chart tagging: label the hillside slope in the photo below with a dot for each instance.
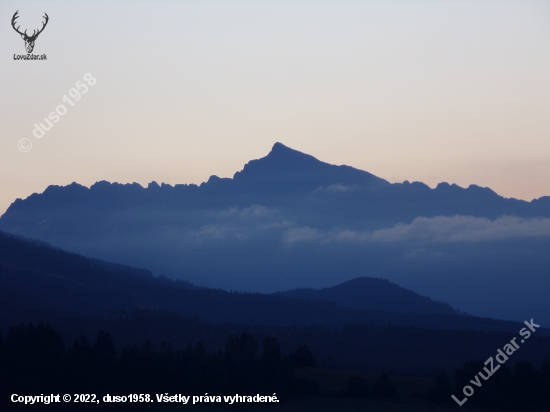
(40, 284)
(372, 294)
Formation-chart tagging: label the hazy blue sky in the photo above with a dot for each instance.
(455, 91)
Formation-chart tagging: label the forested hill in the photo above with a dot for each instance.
(41, 283)
(372, 294)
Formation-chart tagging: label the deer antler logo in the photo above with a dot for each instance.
(29, 40)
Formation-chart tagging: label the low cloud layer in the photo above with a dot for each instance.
(274, 226)
(337, 188)
(436, 229)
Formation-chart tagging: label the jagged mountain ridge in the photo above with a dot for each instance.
(286, 171)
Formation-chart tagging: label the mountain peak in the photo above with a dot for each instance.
(281, 149)
(284, 156)
(279, 146)
(284, 167)
(281, 159)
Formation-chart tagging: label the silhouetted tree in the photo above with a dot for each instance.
(442, 391)
(356, 388)
(383, 387)
(302, 358)
(104, 347)
(241, 350)
(525, 381)
(271, 350)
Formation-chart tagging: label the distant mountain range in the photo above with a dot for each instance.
(290, 221)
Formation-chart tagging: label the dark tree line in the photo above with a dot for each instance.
(357, 388)
(359, 348)
(34, 361)
(521, 387)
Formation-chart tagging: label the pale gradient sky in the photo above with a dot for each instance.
(455, 91)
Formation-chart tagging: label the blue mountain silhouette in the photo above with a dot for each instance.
(290, 221)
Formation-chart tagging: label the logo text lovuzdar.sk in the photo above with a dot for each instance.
(29, 39)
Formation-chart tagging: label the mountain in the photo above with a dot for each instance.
(372, 294)
(286, 170)
(285, 177)
(290, 221)
(39, 283)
